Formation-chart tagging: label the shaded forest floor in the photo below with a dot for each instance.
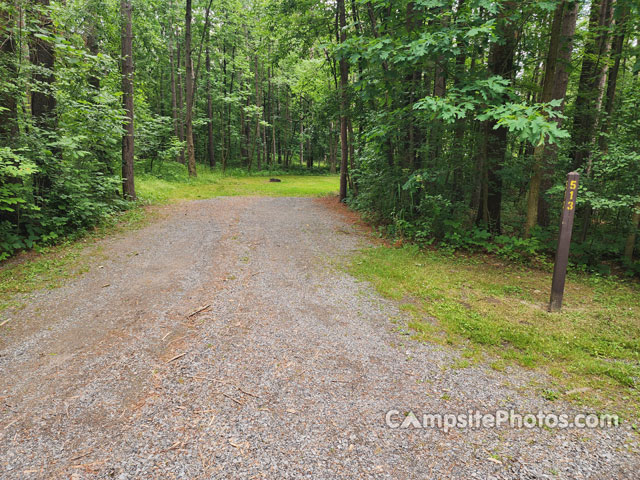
(225, 338)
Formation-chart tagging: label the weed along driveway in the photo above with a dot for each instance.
(226, 339)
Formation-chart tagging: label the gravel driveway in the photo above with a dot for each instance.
(287, 372)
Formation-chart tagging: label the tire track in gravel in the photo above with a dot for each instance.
(288, 373)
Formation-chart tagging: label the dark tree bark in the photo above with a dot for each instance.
(621, 16)
(93, 47)
(42, 56)
(172, 79)
(8, 116)
(591, 85)
(631, 239)
(180, 100)
(564, 21)
(128, 186)
(43, 100)
(561, 81)
(344, 80)
(189, 81)
(210, 143)
(255, 147)
(273, 124)
(301, 131)
(501, 62)
(587, 114)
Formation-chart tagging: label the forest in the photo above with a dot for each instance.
(452, 122)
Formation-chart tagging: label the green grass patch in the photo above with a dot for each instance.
(593, 343)
(213, 183)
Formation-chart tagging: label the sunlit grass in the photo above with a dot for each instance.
(209, 184)
(481, 303)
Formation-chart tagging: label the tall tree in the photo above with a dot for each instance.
(172, 76)
(43, 100)
(42, 55)
(180, 101)
(563, 66)
(210, 143)
(631, 239)
(592, 81)
(344, 103)
(128, 186)
(501, 62)
(8, 99)
(554, 87)
(621, 17)
(189, 81)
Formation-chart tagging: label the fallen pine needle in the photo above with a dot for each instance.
(5, 322)
(78, 457)
(172, 447)
(197, 311)
(7, 426)
(177, 357)
(248, 393)
(85, 465)
(231, 398)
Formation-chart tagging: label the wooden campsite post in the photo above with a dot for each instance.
(564, 242)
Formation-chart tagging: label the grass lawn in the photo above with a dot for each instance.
(209, 184)
(497, 312)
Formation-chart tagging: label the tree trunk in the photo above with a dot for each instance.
(301, 131)
(622, 14)
(191, 154)
(42, 56)
(549, 90)
(352, 155)
(210, 143)
(501, 62)
(8, 115)
(245, 130)
(591, 85)
(631, 239)
(228, 109)
(172, 78)
(333, 147)
(43, 100)
(128, 186)
(344, 80)
(273, 121)
(256, 138)
(289, 130)
(92, 45)
(588, 108)
(561, 81)
(180, 101)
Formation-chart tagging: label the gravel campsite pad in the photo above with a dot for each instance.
(226, 340)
